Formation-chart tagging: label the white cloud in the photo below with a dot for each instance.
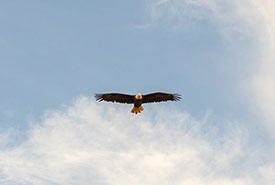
(185, 12)
(93, 143)
(253, 18)
(264, 81)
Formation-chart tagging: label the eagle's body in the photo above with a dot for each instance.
(138, 99)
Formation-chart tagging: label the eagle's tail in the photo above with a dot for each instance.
(137, 110)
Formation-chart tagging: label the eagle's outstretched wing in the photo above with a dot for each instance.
(158, 97)
(115, 97)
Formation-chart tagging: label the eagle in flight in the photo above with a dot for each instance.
(138, 99)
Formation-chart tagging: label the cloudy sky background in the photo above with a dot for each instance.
(218, 54)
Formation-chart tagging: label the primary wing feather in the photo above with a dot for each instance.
(159, 97)
(115, 97)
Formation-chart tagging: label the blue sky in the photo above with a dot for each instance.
(54, 52)
(55, 55)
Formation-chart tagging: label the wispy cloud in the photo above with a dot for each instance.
(91, 143)
(183, 13)
(252, 18)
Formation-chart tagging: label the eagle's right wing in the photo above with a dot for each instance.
(115, 97)
(159, 97)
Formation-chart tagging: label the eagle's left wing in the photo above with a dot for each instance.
(159, 97)
(115, 97)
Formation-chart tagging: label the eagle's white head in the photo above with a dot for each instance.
(138, 96)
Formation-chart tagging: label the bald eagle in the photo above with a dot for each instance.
(138, 99)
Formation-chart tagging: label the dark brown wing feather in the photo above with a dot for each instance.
(115, 97)
(159, 97)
